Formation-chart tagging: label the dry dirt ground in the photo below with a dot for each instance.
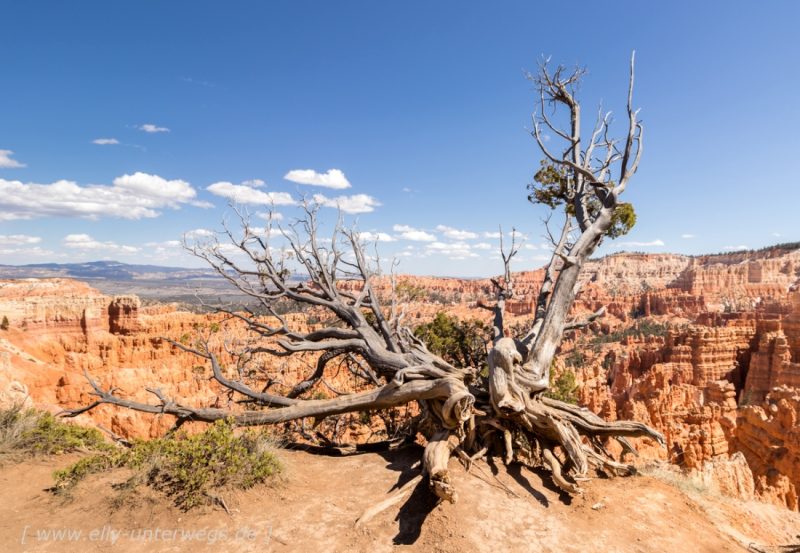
(314, 505)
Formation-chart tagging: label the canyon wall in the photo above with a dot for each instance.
(706, 349)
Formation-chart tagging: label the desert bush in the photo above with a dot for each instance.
(25, 432)
(188, 469)
(563, 386)
(462, 343)
(641, 329)
(4, 324)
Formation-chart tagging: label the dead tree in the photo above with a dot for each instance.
(462, 413)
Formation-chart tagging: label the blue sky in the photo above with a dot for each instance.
(422, 107)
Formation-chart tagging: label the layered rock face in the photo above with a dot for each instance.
(60, 330)
(706, 349)
(722, 378)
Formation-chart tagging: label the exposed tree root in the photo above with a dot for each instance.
(434, 462)
(506, 415)
(392, 499)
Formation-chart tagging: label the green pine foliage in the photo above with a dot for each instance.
(551, 185)
(188, 469)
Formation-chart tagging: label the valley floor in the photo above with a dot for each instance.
(314, 506)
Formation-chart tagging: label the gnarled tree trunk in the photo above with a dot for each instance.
(507, 413)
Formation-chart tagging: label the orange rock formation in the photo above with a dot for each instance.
(717, 370)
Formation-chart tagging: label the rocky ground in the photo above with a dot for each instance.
(705, 349)
(315, 505)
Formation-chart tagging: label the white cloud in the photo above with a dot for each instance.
(156, 187)
(247, 195)
(333, 178)
(165, 244)
(274, 216)
(687, 236)
(86, 242)
(456, 234)
(265, 232)
(452, 250)
(776, 234)
(736, 248)
(531, 247)
(150, 128)
(132, 197)
(376, 237)
(491, 235)
(651, 244)
(26, 253)
(406, 189)
(7, 163)
(253, 183)
(482, 246)
(198, 233)
(358, 203)
(105, 141)
(410, 233)
(18, 239)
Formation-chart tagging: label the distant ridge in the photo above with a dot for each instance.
(106, 270)
(125, 272)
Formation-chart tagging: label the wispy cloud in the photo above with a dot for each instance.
(776, 234)
(333, 178)
(198, 233)
(491, 235)
(151, 128)
(687, 236)
(18, 239)
(410, 233)
(253, 183)
(358, 203)
(136, 196)
(368, 236)
(86, 242)
(26, 252)
(105, 141)
(247, 195)
(651, 244)
(207, 84)
(270, 215)
(452, 250)
(736, 248)
(456, 234)
(7, 163)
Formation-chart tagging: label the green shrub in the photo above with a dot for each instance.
(189, 469)
(31, 432)
(462, 343)
(563, 387)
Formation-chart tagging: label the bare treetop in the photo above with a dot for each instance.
(461, 412)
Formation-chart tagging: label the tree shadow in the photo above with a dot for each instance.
(547, 481)
(413, 513)
(416, 508)
(515, 471)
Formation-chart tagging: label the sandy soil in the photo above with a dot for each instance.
(314, 506)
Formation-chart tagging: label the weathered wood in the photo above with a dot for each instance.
(511, 418)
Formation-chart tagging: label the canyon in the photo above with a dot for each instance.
(705, 349)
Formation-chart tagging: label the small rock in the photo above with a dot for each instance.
(598, 506)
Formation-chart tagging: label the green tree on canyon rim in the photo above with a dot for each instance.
(462, 413)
